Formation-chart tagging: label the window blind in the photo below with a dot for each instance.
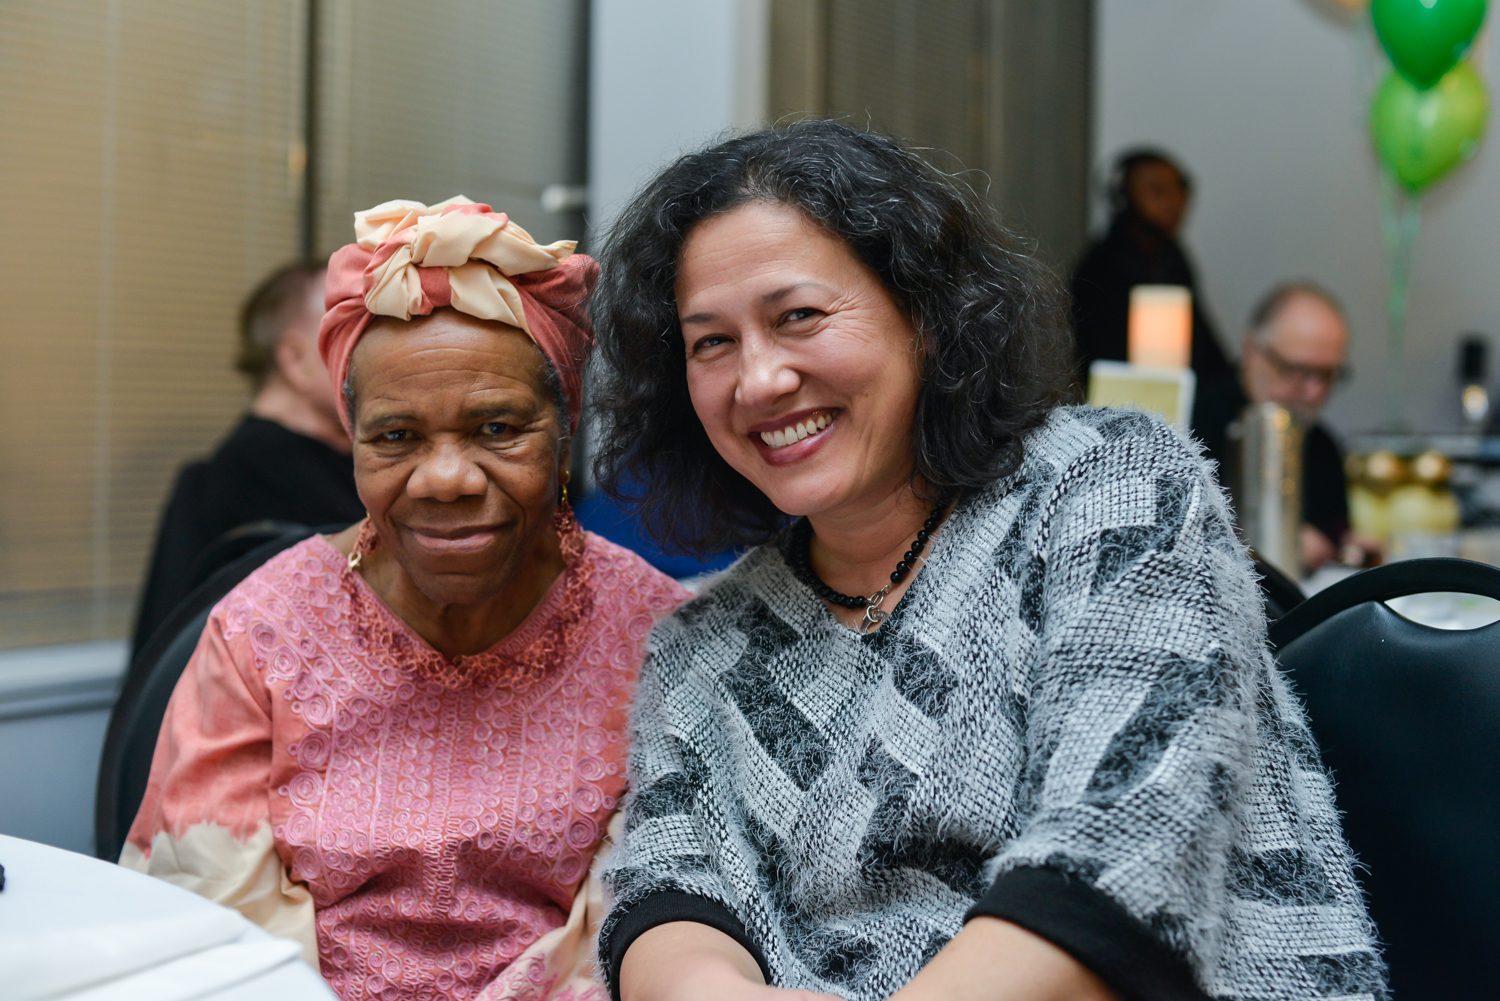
(153, 167)
(150, 177)
(451, 97)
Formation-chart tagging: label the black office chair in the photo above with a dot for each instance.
(1407, 716)
(236, 542)
(130, 741)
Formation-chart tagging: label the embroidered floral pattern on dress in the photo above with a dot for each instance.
(442, 812)
(535, 981)
(540, 644)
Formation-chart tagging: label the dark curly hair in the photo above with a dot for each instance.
(991, 324)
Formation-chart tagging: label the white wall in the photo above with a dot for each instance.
(1265, 101)
(54, 708)
(47, 779)
(665, 76)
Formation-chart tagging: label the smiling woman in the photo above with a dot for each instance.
(769, 296)
(987, 712)
(461, 450)
(402, 743)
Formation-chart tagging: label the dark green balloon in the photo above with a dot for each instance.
(1421, 135)
(1426, 38)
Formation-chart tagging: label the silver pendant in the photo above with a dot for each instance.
(874, 616)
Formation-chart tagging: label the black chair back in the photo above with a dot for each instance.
(1407, 717)
(130, 741)
(238, 541)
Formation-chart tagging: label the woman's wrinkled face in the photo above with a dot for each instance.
(801, 365)
(458, 451)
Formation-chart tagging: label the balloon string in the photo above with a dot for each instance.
(1390, 213)
(1402, 220)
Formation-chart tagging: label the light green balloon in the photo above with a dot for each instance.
(1421, 135)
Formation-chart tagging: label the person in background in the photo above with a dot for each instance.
(986, 712)
(1149, 194)
(401, 743)
(286, 460)
(1294, 352)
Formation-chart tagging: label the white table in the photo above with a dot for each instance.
(50, 891)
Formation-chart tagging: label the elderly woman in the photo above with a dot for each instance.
(987, 713)
(401, 743)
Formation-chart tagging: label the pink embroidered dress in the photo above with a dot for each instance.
(422, 825)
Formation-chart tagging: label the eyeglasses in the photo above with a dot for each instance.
(1293, 371)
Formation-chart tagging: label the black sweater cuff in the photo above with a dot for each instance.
(661, 908)
(1092, 928)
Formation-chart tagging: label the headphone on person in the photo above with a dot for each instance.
(1126, 161)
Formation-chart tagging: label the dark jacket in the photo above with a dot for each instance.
(1133, 252)
(261, 472)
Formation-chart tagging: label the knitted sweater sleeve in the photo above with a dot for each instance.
(1161, 745)
(664, 866)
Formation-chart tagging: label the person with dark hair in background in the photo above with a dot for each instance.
(1149, 193)
(1293, 354)
(986, 711)
(286, 460)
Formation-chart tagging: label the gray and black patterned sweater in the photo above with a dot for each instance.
(1070, 721)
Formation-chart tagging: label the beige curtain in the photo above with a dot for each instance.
(998, 88)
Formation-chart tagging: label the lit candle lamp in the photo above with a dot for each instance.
(1161, 326)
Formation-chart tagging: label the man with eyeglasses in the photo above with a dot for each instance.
(1293, 353)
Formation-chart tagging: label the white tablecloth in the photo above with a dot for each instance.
(73, 928)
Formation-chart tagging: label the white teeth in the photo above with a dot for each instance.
(796, 432)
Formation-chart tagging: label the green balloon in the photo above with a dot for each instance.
(1426, 38)
(1420, 135)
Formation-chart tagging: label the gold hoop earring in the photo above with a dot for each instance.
(569, 533)
(364, 541)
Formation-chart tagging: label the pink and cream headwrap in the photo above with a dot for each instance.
(408, 259)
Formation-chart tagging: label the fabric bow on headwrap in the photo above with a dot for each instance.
(409, 259)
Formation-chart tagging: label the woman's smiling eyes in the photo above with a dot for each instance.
(707, 343)
(791, 318)
(489, 430)
(799, 315)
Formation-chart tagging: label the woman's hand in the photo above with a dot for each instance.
(994, 960)
(745, 991)
(688, 961)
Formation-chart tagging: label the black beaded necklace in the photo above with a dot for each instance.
(801, 563)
